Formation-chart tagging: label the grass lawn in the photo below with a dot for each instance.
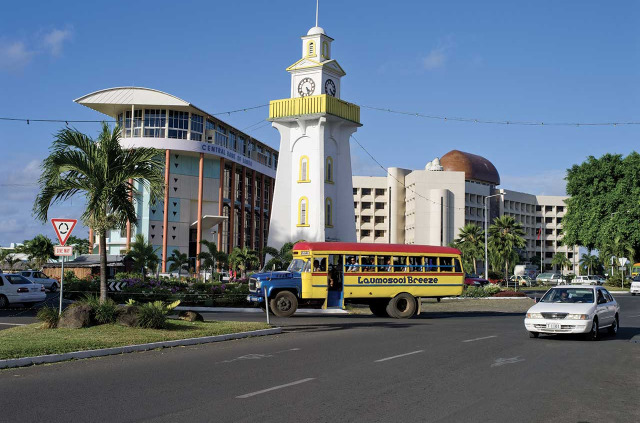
(27, 341)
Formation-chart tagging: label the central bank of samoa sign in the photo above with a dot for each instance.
(399, 280)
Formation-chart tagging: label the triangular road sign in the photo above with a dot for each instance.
(63, 228)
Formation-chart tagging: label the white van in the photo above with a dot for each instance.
(585, 280)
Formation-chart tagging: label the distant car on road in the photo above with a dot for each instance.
(473, 280)
(522, 280)
(635, 285)
(572, 309)
(39, 277)
(18, 289)
(549, 279)
(586, 280)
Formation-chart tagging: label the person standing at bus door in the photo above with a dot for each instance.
(316, 266)
(353, 266)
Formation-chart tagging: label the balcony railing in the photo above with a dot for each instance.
(314, 105)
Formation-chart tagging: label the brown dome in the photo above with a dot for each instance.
(475, 168)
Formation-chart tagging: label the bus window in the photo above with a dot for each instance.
(457, 266)
(384, 264)
(300, 265)
(368, 263)
(351, 264)
(446, 264)
(415, 264)
(399, 263)
(431, 264)
(320, 264)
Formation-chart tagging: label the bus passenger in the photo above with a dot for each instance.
(353, 266)
(316, 266)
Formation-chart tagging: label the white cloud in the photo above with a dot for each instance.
(55, 39)
(438, 56)
(14, 55)
(550, 182)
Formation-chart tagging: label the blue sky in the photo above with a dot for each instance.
(550, 61)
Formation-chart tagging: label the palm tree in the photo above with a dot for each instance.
(213, 257)
(178, 261)
(279, 259)
(100, 171)
(243, 258)
(39, 250)
(142, 254)
(11, 261)
(470, 242)
(506, 236)
(560, 260)
(589, 262)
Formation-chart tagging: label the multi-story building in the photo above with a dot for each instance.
(431, 205)
(219, 180)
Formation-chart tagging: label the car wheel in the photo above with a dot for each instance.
(284, 304)
(3, 301)
(633, 293)
(594, 332)
(402, 306)
(534, 334)
(54, 287)
(613, 329)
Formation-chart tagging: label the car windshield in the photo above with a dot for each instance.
(568, 295)
(17, 280)
(299, 265)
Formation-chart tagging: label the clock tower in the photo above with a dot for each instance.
(313, 197)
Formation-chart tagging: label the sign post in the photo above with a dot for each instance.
(623, 261)
(63, 228)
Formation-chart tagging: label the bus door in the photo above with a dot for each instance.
(335, 280)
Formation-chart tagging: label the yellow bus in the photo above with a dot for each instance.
(389, 278)
(635, 269)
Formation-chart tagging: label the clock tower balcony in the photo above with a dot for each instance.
(314, 105)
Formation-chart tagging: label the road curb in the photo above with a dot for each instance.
(486, 298)
(55, 358)
(257, 310)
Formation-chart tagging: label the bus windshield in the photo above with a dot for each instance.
(299, 265)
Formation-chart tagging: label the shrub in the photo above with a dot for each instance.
(493, 275)
(510, 294)
(491, 289)
(48, 316)
(474, 292)
(154, 315)
(106, 312)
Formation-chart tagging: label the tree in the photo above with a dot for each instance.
(39, 250)
(11, 261)
(80, 245)
(561, 261)
(280, 259)
(604, 202)
(142, 254)
(506, 237)
(100, 171)
(178, 261)
(470, 242)
(212, 257)
(589, 262)
(243, 258)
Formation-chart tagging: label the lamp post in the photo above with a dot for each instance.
(486, 231)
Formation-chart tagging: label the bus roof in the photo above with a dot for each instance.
(374, 248)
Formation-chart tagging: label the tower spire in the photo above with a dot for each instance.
(317, 6)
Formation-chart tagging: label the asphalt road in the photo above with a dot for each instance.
(448, 367)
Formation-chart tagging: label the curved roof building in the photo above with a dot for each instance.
(475, 168)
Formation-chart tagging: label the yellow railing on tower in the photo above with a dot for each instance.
(314, 105)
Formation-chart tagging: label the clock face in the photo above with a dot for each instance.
(306, 87)
(330, 88)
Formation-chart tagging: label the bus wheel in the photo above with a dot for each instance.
(379, 308)
(402, 306)
(284, 304)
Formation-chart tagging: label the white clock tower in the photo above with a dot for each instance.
(313, 197)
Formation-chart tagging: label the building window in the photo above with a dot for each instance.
(366, 219)
(379, 219)
(355, 191)
(178, 124)
(221, 136)
(233, 141)
(325, 50)
(127, 124)
(303, 175)
(379, 206)
(379, 234)
(154, 122)
(366, 205)
(365, 233)
(197, 123)
(311, 49)
(137, 123)
(303, 211)
(329, 170)
(366, 191)
(379, 191)
(328, 213)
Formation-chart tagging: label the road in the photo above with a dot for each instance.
(438, 367)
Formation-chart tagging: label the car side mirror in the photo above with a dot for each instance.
(537, 299)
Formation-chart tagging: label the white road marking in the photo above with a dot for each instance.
(637, 315)
(502, 361)
(14, 324)
(398, 356)
(286, 385)
(479, 339)
(256, 356)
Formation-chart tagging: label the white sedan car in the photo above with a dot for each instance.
(18, 289)
(574, 309)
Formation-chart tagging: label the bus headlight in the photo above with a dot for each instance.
(258, 284)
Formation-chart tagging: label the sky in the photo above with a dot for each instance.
(543, 61)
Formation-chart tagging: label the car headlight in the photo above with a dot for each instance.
(534, 316)
(258, 284)
(577, 317)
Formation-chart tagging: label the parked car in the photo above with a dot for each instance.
(571, 309)
(522, 280)
(18, 289)
(473, 280)
(586, 280)
(549, 279)
(635, 285)
(39, 277)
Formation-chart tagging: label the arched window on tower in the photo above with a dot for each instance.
(303, 211)
(328, 213)
(325, 50)
(311, 49)
(303, 174)
(328, 170)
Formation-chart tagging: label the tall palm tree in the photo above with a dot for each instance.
(589, 261)
(212, 257)
(506, 236)
(470, 242)
(243, 258)
(178, 261)
(100, 171)
(142, 254)
(39, 250)
(561, 261)
(280, 259)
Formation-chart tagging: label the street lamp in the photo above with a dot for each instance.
(486, 230)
